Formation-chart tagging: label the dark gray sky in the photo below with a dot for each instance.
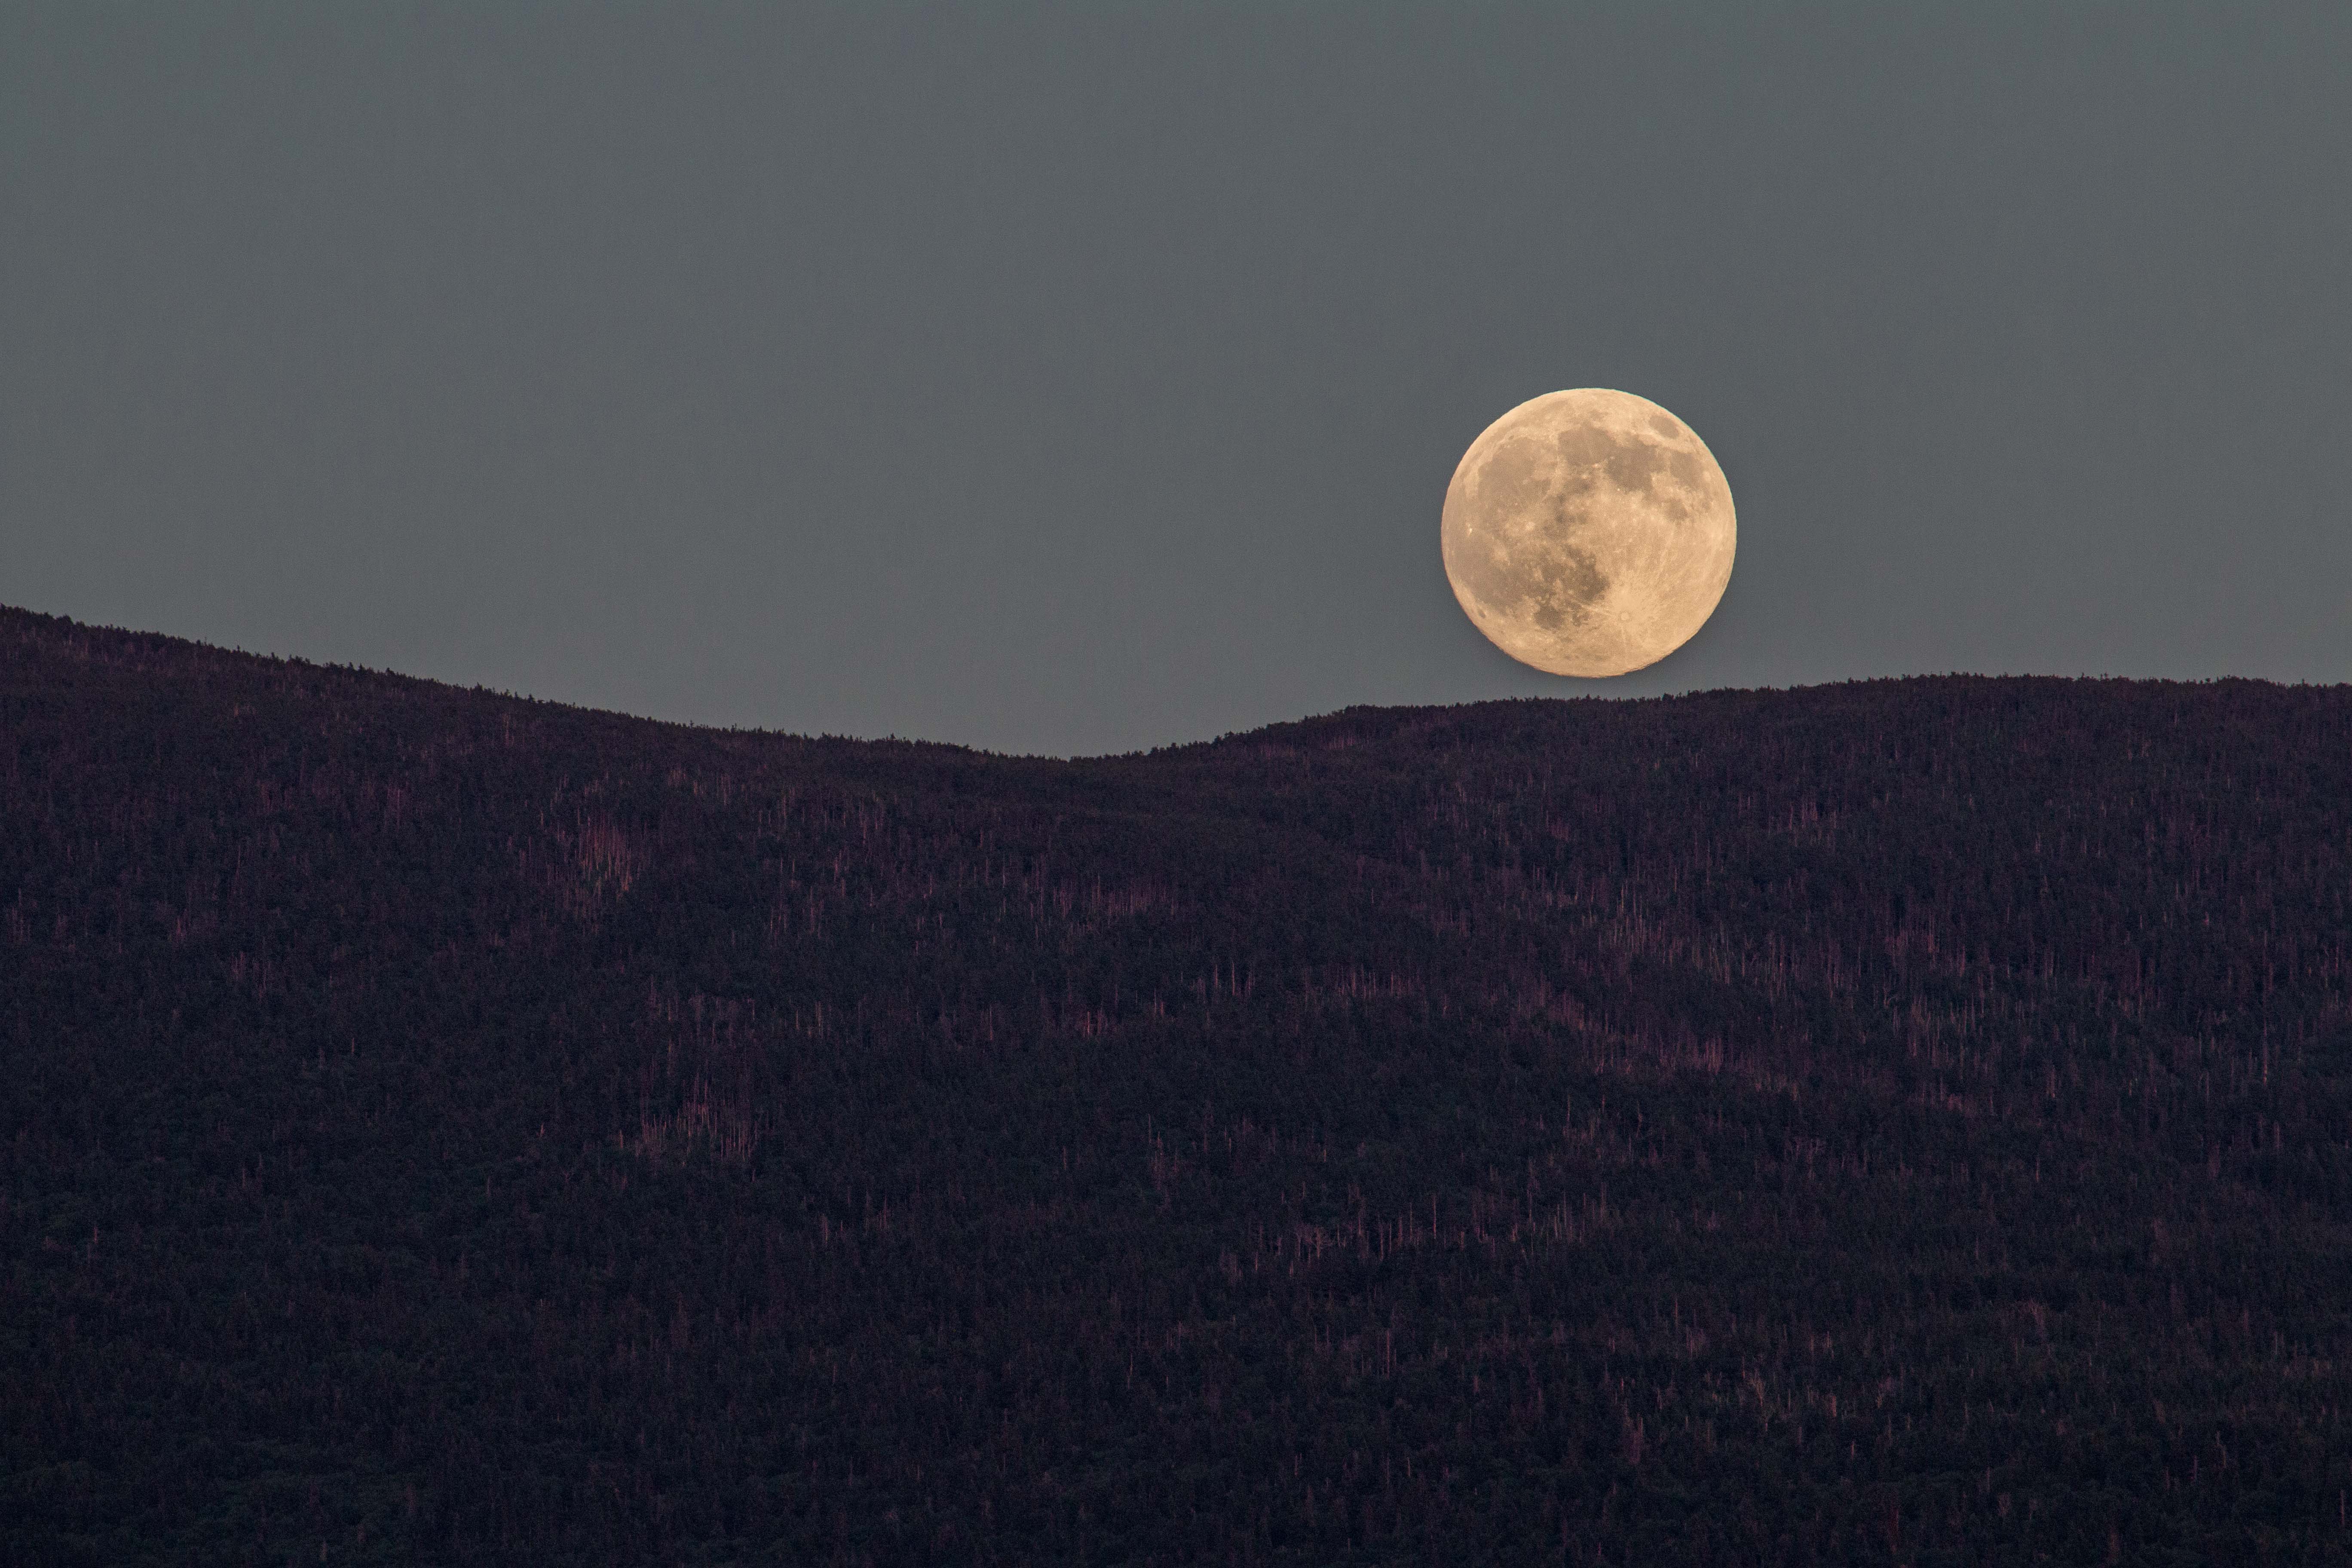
(1084, 378)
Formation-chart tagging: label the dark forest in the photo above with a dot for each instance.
(1901, 1122)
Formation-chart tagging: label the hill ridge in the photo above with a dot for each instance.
(1892, 1121)
(34, 628)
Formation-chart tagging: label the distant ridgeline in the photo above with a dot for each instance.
(1898, 1122)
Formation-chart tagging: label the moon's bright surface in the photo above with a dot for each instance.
(1589, 532)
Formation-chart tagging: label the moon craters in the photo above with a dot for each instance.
(1589, 532)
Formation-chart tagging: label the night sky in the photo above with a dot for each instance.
(1082, 379)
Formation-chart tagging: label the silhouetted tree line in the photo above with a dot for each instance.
(1907, 1121)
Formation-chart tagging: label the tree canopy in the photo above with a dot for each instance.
(1907, 1121)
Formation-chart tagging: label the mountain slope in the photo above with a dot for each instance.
(1906, 1121)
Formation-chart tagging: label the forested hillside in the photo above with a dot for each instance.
(1899, 1122)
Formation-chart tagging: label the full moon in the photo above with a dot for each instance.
(1588, 533)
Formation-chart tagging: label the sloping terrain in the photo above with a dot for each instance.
(1900, 1122)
